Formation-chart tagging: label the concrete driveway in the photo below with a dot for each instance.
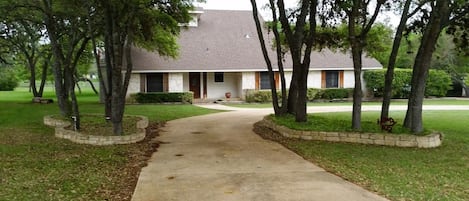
(218, 157)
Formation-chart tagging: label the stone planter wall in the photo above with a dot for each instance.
(428, 141)
(80, 138)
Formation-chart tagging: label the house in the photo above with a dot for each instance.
(220, 52)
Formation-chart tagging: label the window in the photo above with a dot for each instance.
(264, 80)
(155, 82)
(219, 77)
(332, 79)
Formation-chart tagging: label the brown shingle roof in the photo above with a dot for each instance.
(226, 40)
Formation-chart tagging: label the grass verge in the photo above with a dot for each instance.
(399, 173)
(37, 166)
(333, 123)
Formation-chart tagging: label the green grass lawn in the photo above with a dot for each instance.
(400, 173)
(329, 122)
(37, 166)
(394, 102)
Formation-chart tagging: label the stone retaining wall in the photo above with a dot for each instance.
(427, 141)
(80, 138)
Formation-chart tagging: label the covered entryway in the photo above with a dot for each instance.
(194, 84)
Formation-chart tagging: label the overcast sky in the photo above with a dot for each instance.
(246, 5)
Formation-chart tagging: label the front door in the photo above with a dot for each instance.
(194, 84)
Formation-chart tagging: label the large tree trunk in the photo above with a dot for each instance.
(296, 39)
(116, 103)
(439, 16)
(357, 91)
(45, 66)
(32, 79)
(358, 41)
(301, 112)
(293, 94)
(110, 60)
(61, 84)
(387, 94)
(357, 66)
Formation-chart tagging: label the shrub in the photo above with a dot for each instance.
(163, 97)
(313, 94)
(254, 96)
(8, 80)
(336, 93)
(438, 83)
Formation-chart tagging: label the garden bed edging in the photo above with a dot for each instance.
(399, 140)
(80, 138)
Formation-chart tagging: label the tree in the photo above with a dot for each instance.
(149, 24)
(387, 94)
(66, 25)
(278, 109)
(443, 13)
(359, 25)
(24, 38)
(300, 40)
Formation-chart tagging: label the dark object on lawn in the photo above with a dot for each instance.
(387, 123)
(42, 100)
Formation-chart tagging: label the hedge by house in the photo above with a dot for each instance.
(333, 93)
(163, 97)
(264, 96)
(259, 96)
(438, 83)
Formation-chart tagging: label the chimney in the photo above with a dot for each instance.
(195, 14)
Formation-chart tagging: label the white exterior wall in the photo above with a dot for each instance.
(314, 79)
(240, 83)
(134, 84)
(185, 78)
(217, 90)
(236, 83)
(349, 79)
(288, 76)
(175, 82)
(248, 80)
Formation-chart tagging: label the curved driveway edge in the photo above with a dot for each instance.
(218, 157)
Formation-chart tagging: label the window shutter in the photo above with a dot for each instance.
(341, 79)
(257, 80)
(165, 82)
(143, 80)
(277, 80)
(323, 79)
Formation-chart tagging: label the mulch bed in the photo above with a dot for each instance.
(138, 156)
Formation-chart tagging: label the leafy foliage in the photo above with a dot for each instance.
(336, 93)
(438, 83)
(8, 80)
(164, 97)
(313, 93)
(254, 96)
(261, 96)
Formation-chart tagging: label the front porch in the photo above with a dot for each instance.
(206, 86)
